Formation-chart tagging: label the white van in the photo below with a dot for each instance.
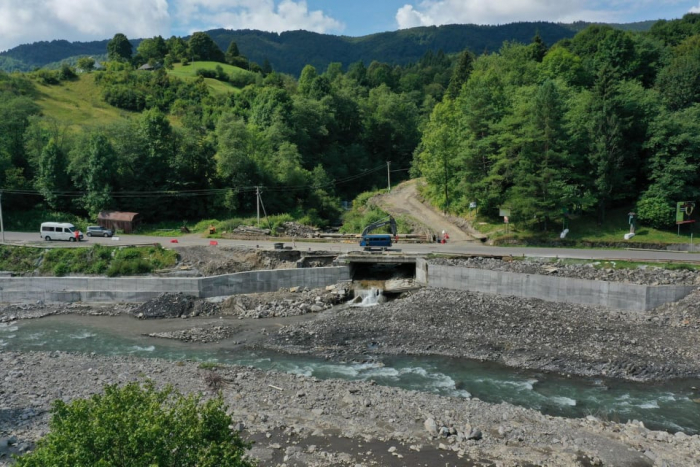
(59, 231)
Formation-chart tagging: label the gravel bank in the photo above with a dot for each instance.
(643, 275)
(300, 421)
(524, 333)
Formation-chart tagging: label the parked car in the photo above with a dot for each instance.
(59, 231)
(98, 231)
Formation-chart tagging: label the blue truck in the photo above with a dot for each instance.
(378, 241)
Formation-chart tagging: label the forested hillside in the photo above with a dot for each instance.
(289, 52)
(607, 118)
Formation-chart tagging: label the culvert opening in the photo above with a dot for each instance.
(383, 272)
(377, 283)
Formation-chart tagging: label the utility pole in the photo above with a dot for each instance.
(2, 226)
(257, 198)
(388, 175)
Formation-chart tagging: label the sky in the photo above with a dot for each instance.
(27, 21)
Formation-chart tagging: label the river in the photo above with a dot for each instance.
(671, 406)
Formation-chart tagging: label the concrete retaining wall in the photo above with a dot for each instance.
(141, 289)
(616, 295)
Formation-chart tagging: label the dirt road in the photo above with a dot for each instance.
(403, 200)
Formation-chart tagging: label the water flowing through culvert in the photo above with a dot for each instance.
(671, 406)
(368, 297)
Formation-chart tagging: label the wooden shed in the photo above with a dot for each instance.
(116, 220)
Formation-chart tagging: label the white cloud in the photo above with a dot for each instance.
(265, 15)
(695, 9)
(25, 21)
(437, 12)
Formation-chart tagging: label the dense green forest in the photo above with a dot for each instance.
(604, 119)
(607, 118)
(289, 52)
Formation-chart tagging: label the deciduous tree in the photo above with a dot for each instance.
(119, 48)
(139, 426)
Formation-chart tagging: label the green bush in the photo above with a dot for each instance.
(129, 253)
(124, 97)
(19, 259)
(133, 267)
(206, 73)
(98, 267)
(655, 212)
(61, 269)
(139, 426)
(47, 77)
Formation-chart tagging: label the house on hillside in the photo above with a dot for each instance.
(127, 222)
(149, 67)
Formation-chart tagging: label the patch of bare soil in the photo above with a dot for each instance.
(404, 200)
(212, 261)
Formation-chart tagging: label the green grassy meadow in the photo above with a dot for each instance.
(218, 87)
(77, 103)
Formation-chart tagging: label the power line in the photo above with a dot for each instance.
(204, 191)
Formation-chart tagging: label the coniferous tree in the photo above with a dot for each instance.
(461, 73)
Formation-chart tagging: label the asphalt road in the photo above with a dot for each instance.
(26, 238)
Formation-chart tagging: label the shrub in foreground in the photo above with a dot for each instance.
(139, 426)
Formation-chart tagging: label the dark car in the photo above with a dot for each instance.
(98, 231)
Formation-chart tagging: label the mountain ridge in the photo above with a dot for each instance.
(290, 51)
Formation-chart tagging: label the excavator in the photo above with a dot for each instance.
(378, 241)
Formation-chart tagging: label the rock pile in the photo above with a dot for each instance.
(204, 335)
(170, 305)
(644, 275)
(294, 229)
(291, 302)
(250, 231)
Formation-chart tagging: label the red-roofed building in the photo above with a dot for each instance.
(116, 220)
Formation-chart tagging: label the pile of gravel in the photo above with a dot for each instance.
(170, 305)
(204, 335)
(643, 275)
(291, 302)
(293, 229)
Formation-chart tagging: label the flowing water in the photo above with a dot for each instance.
(671, 406)
(369, 297)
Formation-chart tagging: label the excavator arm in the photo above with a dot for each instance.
(381, 223)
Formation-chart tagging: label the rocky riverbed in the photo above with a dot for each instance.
(302, 421)
(523, 333)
